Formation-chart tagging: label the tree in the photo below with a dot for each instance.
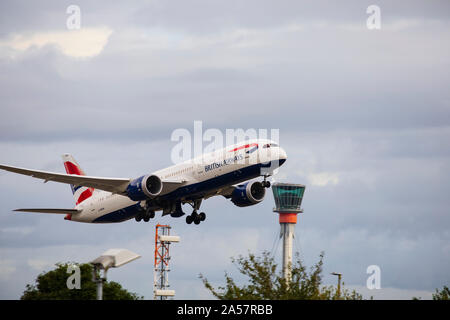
(444, 294)
(265, 283)
(52, 285)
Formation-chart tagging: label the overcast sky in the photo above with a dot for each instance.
(364, 116)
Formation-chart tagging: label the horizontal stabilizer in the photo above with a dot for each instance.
(53, 211)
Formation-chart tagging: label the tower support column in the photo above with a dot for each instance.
(287, 226)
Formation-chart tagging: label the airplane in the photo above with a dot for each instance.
(224, 172)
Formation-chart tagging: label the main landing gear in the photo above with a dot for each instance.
(146, 216)
(194, 216)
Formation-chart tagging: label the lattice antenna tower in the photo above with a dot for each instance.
(163, 239)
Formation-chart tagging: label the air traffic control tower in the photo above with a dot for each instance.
(288, 199)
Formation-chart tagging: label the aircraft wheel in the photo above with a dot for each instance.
(197, 220)
(146, 219)
(152, 214)
(138, 218)
(189, 219)
(202, 216)
(265, 184)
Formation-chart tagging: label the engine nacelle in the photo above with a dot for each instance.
(248, 194)
(145, 187)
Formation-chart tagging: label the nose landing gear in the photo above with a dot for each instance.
(265, 183)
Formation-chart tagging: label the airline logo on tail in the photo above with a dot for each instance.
(72, 167)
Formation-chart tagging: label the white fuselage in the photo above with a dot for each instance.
(209, 167)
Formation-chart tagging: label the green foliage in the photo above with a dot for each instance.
(52, 285)
(444, 294)
(265, 283)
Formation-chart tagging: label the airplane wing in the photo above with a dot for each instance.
(53, 211)
(171, 185)
(226, 192)
(115, 185)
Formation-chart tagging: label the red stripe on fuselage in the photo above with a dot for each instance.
(73, 169)
(244, 147)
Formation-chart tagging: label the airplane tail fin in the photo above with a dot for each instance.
(80, 193)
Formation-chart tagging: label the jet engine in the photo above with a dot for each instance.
(145, 187)
(248, 194)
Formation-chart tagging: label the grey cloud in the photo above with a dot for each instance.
(210, 16)
(355, 81)
(202, 16)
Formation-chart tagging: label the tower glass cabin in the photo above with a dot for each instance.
(288, 197)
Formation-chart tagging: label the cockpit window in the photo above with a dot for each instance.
(270, 145)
